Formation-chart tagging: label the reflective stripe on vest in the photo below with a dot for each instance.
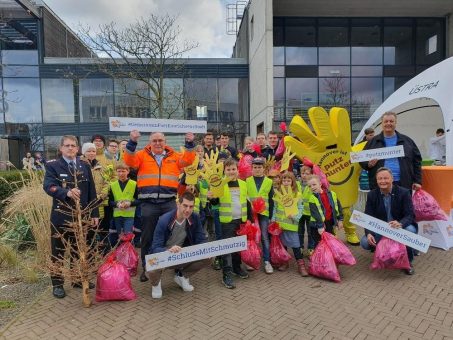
(225, 204)
(126, 195)
(265, 188)
(285, 222)
(314, 199)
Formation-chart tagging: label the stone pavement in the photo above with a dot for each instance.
(365, 305)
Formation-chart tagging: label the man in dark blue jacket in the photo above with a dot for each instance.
(176, 229)
(67, 180)
(393, 204)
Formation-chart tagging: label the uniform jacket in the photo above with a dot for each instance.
(195, 232)
(58, 181)
(410, 164)
(401, 206)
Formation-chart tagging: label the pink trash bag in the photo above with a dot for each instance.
(251, 230)
(322, 263)
(252, 256)
(127, 255)
(426, 207)
(279, 255)
(340, 252)
(390, 254)
(113, 282)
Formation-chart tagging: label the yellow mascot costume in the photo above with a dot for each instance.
(329, 147)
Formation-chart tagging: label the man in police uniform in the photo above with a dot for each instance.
(60, 184)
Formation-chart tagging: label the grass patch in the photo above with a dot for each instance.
(7, 304)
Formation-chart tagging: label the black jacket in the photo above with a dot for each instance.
(410, 164)
(402, 209)
(58, 181)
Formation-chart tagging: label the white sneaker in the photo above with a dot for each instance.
(156, 291)
(184, 283)
(268, 267)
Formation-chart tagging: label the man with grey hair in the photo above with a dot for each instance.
(158, 168)
(393, 204)
(407, 170)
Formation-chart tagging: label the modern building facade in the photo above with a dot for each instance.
(50, 86)
(347, 53)
(289, 55)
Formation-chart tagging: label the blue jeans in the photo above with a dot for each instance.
(365, 245)
(264, 224)
(120, 224)
(217, 226)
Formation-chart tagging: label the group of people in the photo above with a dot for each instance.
(174, 214)
(33, 163)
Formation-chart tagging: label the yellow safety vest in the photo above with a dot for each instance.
(196, 205)
(314, 199)
(126, 195)
(265, 188)
(225, 204)
(203, 195)
(285, 222)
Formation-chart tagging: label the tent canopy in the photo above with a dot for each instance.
(420, 99)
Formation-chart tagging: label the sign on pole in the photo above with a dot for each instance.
(157, 125)
(195, 253)
(382, 228)
(381, 153)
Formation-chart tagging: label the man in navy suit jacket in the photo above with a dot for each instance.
(67, 179)
(391, 203)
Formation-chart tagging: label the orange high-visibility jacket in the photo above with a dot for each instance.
(154, 181)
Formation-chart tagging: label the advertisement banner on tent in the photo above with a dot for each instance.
(157, 125)
(381, 153)
(382, 228)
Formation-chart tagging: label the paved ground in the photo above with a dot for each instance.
(365, 305)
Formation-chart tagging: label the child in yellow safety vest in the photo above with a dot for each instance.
(325, 209)
(233, 210)
(304, 222)
(259, 185)
(290, 223)
(122, 199)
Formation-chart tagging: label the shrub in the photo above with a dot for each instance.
(10, 181)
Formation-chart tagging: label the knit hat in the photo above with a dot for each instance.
(101, 137)
(87, 146)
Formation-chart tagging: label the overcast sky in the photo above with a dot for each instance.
(203, 21)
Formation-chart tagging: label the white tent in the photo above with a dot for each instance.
(433, 88)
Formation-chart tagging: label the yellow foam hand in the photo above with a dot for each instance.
(288, 200)
(287, 156)
(328, 147)
(269, 163)
(213, 174)
(192, 172)
(211, 158)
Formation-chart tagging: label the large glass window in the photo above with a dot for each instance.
(334, 92)
(95, 100)
(430, 41)
(366, 96)
(132, 99)
(301, 94)
(17, 57)
(301, 56)
(201, 98)
(173, 102)
(58, 100)
(398, 44)
(22, 100)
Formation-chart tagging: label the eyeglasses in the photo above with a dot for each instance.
(69, 146)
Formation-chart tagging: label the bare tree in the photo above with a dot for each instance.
(337, 91)
(139, 56)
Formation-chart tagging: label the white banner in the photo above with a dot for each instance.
(157, 125)
(381, 227)
(195, 253)
(381, 153)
